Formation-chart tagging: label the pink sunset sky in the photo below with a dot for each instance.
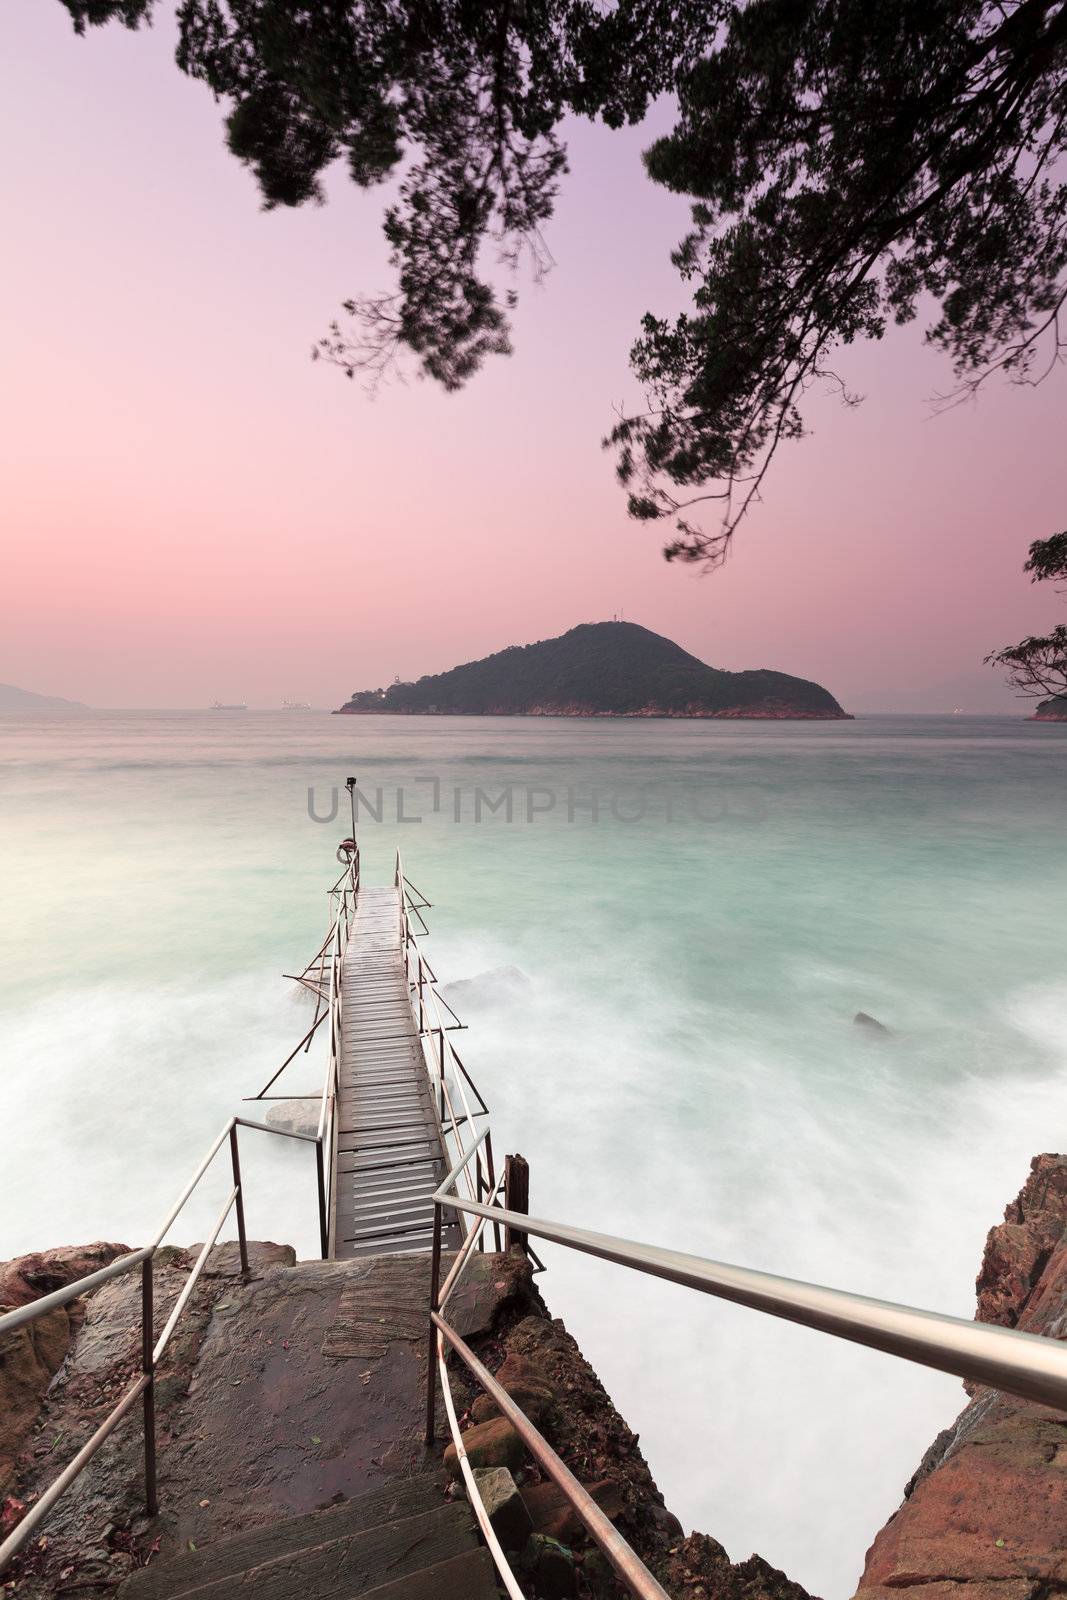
(192, 509)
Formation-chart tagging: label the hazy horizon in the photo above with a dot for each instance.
(193, 507)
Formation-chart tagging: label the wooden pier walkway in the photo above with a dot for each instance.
(389, 1151)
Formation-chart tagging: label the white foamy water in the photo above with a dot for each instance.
(682, 1067)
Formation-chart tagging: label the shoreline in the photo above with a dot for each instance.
(615, 716)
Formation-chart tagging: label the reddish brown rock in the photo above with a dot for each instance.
(988, 1507)
(1018, 1250)
(698, 1567)
(489, 1444)
(32, 1355)
(525, 1386)
(551, 1512)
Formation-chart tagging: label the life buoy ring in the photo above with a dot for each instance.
(346, 850)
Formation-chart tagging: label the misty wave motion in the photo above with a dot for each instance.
(668, 1036)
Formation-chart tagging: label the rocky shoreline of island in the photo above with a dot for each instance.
(663, 713)
(1054, 710)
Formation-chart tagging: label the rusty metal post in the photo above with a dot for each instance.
(149, 1397)
(241, 1238)
(516, 1198)
(431, 1364)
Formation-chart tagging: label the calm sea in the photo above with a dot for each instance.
(697, 911)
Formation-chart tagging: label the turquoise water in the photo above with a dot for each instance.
(681, 1066)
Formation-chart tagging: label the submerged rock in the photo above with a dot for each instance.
(863, 1019)
(294, 1116)
(499, 985)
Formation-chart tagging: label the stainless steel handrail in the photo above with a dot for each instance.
(1029, 1365)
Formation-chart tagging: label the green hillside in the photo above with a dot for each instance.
(599, 669)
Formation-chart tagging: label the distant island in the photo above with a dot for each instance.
(599, 669)
(12, 699)
(1054, 710)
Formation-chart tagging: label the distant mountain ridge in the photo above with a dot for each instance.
(600, 669)
(12, 699)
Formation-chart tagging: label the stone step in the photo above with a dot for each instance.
(354, 1564)
(226, 1559)
(467, 1577)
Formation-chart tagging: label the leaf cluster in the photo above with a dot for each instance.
(849, 160)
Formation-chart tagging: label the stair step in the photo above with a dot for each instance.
(356, 1563)
(226, 1558)
(467, 1577)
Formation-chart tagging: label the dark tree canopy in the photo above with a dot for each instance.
(459, 101)
(851, 163)
(1038, 665)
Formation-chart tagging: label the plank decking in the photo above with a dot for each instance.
(390, 1155)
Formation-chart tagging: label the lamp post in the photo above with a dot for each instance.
(350, 785)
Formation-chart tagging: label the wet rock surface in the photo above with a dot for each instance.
(98, 1531)
(32, 1355)
(985, 1517)
(296, 1390)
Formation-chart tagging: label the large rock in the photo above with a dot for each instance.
(529, 1391)
(504, 1506)
(987, 1508)
(1018, 1250)
(32, 1355)
(550, 1566)
(488, 1444)
(552, 1513)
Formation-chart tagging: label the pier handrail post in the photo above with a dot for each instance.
(242, 1240)
(350, 785)
(516, 1198)
(435, 1292)
(320, 1172)
(149, 1396)
(492, 1181)
(441, 1068)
